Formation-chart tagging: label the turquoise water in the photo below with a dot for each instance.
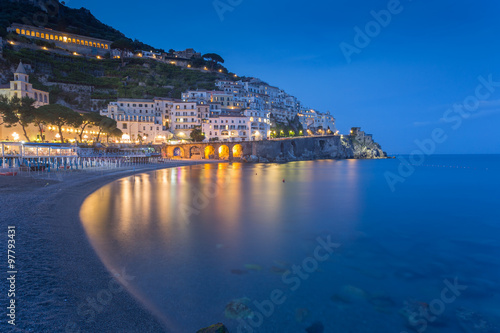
(233, 243)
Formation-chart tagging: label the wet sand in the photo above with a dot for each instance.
(62, 286)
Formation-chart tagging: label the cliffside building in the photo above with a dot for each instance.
(72, 42)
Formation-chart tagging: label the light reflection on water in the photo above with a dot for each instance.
(184, 248)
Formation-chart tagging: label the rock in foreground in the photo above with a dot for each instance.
(217, 328)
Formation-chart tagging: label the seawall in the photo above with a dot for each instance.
(281, 150)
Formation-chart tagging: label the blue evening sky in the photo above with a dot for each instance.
(398, 87)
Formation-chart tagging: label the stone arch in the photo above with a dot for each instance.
(237, 151)
(195, 152)
(224, 152)
(209, 152)
(178, 152)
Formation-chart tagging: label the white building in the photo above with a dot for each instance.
(199, 95)
(314, 120)
(20, 87)
(249, 125)
(184, 118)
(138, 120)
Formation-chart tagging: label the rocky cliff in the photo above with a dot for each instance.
(358, 146)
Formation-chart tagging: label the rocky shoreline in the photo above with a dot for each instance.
(339, 147)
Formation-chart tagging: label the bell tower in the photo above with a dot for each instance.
(21, 87)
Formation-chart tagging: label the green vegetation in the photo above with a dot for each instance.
(22, 112)
(136, 78)
(213, 59)
(197, 135)
(17, 112)
(60, 116)
(61, 18)
(293, 128)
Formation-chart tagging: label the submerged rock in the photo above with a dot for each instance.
(472, 322)
(238, 309)
(252, 159)
(419, 316)
(407, 273)
(350, 294)
(382, 303)
(238, 271)
(301, 314)
(317, 327)
(217, 328)
(278, 270)
(253, 267)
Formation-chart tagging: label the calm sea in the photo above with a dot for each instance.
(317, 246)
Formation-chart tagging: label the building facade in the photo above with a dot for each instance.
(249, 125)
(21, 87)
(138, 119)
(72, 42)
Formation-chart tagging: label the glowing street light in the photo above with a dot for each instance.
(15, 136)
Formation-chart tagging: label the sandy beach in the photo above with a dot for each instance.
(61, 283)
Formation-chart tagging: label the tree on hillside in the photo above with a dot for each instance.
(198, 63)
(89, 119)
(171, 51)
(59, 115)
(197, 135)
(213, 58)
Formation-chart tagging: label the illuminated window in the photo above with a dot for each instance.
(78, 41)
(18, 31)
(86, 43)
(99, 45)
(38, 34)
(42, 36)
(106, 46)
(65, 39)
(94, 45)
(33, 34)
(51, 36)
(23, 32)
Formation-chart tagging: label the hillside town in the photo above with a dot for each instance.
(246, 109)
